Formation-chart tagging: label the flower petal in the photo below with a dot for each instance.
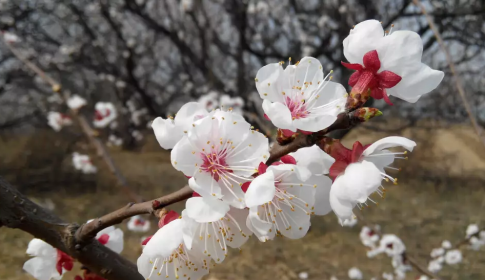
(388, 79)
(313, 158)
(40, 268)
(261, 190)
(205, 185)
(267, 80)
(165, 240)
(389, 142)
(354, 78)
(185, 158)
(363, 38)
(279, 114)
(115, 242)
(371, 61)
(205, 209)
(322, 197)
(259, 227)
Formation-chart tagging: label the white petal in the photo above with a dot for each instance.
(267, 82)
(363, 38)
(400, 52)
(185, 157)
(259, 227)
(279, 114)
(290, 172)
(421, 80)
(313, 158)
(145, 267)
(314, 123)
(232, 194)
(261, 190)
(38, 247)
(115, 241)
(165, 240)
(40, 268)
(389, 142)
(342, 208)
(238, 222)
(322, 197)
(189, 229)
(307, 74)
(206, 209)
(381, 159)
(205, 185)
(357, 183)
(188, 114)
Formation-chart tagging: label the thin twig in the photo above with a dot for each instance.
(88, 131)
(451, 65)
(418, 267)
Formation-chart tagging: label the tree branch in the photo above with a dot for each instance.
(17, 211)
(89, 231)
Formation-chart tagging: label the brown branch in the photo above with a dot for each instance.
(17, 211)
(451, 64)
(88, 131)
(418, 267)
(88, 231)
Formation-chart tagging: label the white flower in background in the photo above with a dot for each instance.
(391, 245)
(446, 244)
(368, 164)
(115, 140)
(111, 237)
(437, 252)
(388, 65)
(104, 114)
(57, 120)
(400, 268)
(299, 97)
(110, 78)
(138, 224)
(434, 266)
(137, 135)
(453, 257)
(47, 262)
(476, 243)
(75, 102)
(388, 276)
(220, 152)
(368, 237)
(281, 201)
(355, 273)
(166, 256)
(235, 104)
(209, 101)
(303, 275)
(423, 277)
(472, 229)
(212, 225)
(262, 8)
(10, 37)
(333, 277)
(83, 163)
(169, 131)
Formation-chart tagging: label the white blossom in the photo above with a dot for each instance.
(355, 273)
(138, 224)
(300, 97)
(453, 257)
(105, 113)
(388, 65)
(75, 102)
(57, 120)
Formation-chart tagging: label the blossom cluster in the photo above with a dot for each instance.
(239, 191)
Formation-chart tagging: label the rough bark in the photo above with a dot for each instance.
(17, 211)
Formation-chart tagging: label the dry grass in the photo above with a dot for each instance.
(439, 194)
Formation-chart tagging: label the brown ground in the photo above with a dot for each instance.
(440, 192)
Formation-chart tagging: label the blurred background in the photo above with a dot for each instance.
(149, 57)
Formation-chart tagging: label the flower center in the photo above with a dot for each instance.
(297, 107)
(99, 115)
(215, 163)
